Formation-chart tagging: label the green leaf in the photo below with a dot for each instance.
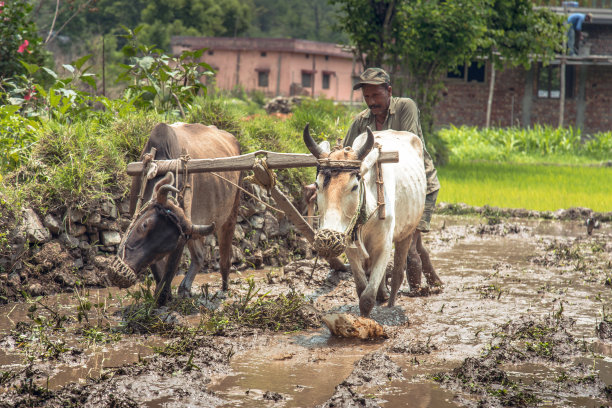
(68, 68)
(31, 68)
(50, 72)
(41, 91)
(90, 80)
(79, 63)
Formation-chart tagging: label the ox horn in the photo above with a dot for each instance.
(162, 193)
(202, 230)
(311, 144)
(365, 149)
(163, 186)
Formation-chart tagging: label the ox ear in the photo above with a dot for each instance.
(325, 146)
(198, 231)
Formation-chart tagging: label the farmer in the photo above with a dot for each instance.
(387, 112)
(574, 32)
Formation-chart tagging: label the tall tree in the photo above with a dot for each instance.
(433, 37)
(372, 26)
(419, 41)
(518, 34)
(311, 20)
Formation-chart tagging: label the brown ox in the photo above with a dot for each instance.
(158, 236)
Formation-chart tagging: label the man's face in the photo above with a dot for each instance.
(377, 97)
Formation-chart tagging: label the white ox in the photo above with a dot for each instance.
(338, 199)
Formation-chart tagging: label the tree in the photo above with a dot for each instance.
(419, 41)
(435, 36)
(18, 38)
(309, 20)
(372, 26)
(518, 34)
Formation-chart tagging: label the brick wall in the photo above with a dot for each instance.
(599, 38)
(598, 99)
(466, 103)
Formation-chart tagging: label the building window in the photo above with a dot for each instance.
(326, 78)
(263, 54)
(327, 58)
(307, 55)
(549, 81)
(474, 72)
(210, 52)
(263, 79)
(306, 79)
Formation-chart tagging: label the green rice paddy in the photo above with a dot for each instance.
(530, 186)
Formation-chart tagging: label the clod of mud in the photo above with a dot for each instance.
(516, 343)
(178, 376)
(412, 346)
(604, 330)
(500, 229)
(346, 325)
(373, 369)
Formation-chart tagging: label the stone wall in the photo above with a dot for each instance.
(52, 252)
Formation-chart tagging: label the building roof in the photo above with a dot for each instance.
(263, 44)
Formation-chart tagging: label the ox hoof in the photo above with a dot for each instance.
(382, 296)
(184, 293)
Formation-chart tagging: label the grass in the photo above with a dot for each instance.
(539, 144)
(530, 186)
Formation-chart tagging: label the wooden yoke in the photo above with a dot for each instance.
(262, 177)
(146, 164)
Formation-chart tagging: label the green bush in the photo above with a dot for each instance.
(19, 38)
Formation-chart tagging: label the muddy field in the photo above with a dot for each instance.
(524, 319)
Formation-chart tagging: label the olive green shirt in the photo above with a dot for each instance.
(403, 115)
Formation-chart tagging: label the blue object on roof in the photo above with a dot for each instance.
(570, 4)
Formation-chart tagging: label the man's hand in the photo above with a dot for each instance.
(309, 193)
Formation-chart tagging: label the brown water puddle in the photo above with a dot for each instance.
(303, 369)
(89, 359)
(489, 280)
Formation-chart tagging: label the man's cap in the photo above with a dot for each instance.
(372, 76)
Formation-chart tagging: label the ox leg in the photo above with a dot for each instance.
(414, 265)
(164, 287)
(428, 269)
(196, 249)
(399, 265)
(359, 274)
(225, 236)
(157, 270)
(367, 299)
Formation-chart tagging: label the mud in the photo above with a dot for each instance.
(522, 320)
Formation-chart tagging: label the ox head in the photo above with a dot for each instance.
(157, 231)
(339, 191)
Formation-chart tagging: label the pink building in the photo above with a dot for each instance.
(278, 66)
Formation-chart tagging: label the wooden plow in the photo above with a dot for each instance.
(260, 162)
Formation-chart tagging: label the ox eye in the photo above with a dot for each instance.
(316, 185)
(355, 187)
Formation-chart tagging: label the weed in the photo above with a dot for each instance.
(141, 316)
